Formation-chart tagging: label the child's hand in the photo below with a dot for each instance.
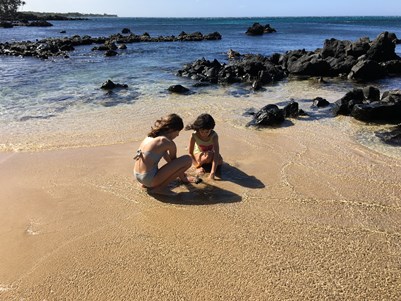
(211, 176)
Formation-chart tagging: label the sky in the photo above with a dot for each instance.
(219, 8)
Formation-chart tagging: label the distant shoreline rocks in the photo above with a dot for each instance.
(37, 23)
(60, 47)
(39, 19)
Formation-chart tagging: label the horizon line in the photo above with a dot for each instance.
(114, 15)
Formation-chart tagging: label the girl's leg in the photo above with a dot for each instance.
(220, 160)
(169, 172)
(197, 160)
(203, 158)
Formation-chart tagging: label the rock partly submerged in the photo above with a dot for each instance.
(364, 104)
(391, 137)
(272, 115)
(110, 85)
(367, 105)
(257, 29)
(60, 47)
(178, 89)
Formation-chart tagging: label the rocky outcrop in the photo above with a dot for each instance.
(232, 54)
(269, 115)
(40, 23)
(362, 104)
(52, 47)
(367, 70)
(303, 62)
(319, 102)
(291, 110)
(272, 115)
(248, 69)
(36, 23)
(110, 85)
(392, 137)
(6, 24)
(257, 29)
(366, 105)
(382, 49)
(179, 89)
(361, 60)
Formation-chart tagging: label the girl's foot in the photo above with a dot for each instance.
(163, 191)
(142, 186)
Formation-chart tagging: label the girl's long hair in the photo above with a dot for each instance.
(202, 122)
(167, 124)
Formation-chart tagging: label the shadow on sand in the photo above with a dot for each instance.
(233, 174)
(207, 194)
(201, 194)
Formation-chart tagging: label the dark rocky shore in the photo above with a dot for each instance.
(36, 19)
(53, 47)
(362, 60)
(36, 23)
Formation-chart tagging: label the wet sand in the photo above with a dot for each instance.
(301, 212)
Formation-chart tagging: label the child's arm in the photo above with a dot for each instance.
(171, 152)
(191, 150)
(167, 157)
(216, 156)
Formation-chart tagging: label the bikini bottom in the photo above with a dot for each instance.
(146, 178)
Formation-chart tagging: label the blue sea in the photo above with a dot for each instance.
(56, 103)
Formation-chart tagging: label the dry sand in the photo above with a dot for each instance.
(300, 213)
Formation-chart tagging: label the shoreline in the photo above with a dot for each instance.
(83, 127)
(301, 210)
(309, 210)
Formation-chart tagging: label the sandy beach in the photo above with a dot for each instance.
(300, 212)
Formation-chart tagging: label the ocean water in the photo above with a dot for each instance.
(44, 99)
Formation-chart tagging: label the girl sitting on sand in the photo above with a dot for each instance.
(204, 144)
(158, 144)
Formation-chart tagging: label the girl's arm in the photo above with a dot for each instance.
(170, 155)
(191, 149)
(171, 151)
(216, 156)
(167, 157)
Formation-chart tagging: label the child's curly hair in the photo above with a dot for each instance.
(167, 124)
(202, 122)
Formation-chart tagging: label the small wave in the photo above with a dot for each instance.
(26, 118)
(371, 137)
(58, 98)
